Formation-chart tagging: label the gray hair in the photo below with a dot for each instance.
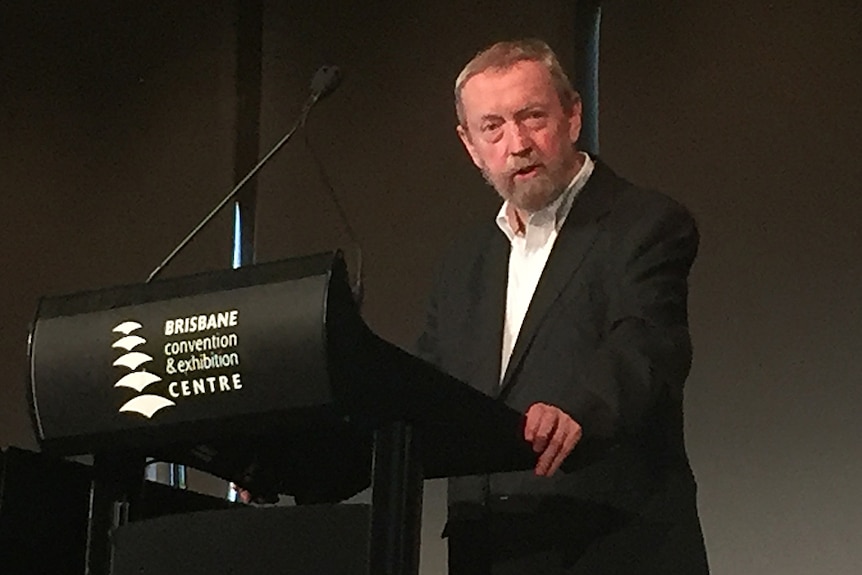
(503, 55)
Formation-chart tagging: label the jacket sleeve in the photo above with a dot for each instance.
(426, 345)
(646, 352)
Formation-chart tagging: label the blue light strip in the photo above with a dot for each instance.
(237, 236)
(232, 494)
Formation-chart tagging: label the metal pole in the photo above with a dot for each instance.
(588, 15)
(396, 501)
(249, 49)
(116, 485)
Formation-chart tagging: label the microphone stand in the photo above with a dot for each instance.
(236, 189)
(324, 82)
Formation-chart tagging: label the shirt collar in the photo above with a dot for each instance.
(555, 213)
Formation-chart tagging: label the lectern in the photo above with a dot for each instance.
(266, 376)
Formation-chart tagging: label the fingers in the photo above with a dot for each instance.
(541, 423)
(242, 494)
(571, 439)
(553, 434)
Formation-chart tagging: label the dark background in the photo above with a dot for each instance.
(117, 133)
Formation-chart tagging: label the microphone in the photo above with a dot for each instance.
(324, 82)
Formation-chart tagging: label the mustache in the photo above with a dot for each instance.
(515, 165)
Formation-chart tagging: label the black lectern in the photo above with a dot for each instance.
(266, 376)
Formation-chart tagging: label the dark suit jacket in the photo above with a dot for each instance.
(606, 339)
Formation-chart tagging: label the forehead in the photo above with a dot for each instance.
(496, 91)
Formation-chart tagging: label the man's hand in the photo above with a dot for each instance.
(553, 434)
(247, 496)
(242, 494)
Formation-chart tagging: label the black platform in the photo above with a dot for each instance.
(306, 540)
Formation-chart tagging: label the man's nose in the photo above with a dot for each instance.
(518, 139)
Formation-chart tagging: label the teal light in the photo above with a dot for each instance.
(237, 236)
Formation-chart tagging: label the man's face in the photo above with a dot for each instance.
(519, 135)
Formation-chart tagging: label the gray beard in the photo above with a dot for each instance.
(530, 196)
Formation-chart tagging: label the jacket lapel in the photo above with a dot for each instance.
(492, 277)
(576, 238)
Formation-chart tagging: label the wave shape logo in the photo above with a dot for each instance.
(148, 404)
(127, 327)
(138, 380)
(132, 360)
(129, 342)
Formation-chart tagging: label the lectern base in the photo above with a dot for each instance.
(304, 540)
(43, 514)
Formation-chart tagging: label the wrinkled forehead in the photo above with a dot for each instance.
(507, 90)
(524, 66)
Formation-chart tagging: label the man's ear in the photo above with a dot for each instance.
(468, 144)
(575, 118)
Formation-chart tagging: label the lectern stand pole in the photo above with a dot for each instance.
(117, 482)
(396, 497)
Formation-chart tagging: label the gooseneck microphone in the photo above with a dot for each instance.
(323, 83)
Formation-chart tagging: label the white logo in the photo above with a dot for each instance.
(147, 404)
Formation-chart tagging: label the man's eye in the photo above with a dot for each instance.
(491, 131)
(536, 118)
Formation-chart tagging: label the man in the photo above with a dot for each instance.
(570, 307)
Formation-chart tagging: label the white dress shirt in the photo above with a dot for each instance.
(529, 254)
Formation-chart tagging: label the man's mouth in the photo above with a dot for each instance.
(526, 171)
